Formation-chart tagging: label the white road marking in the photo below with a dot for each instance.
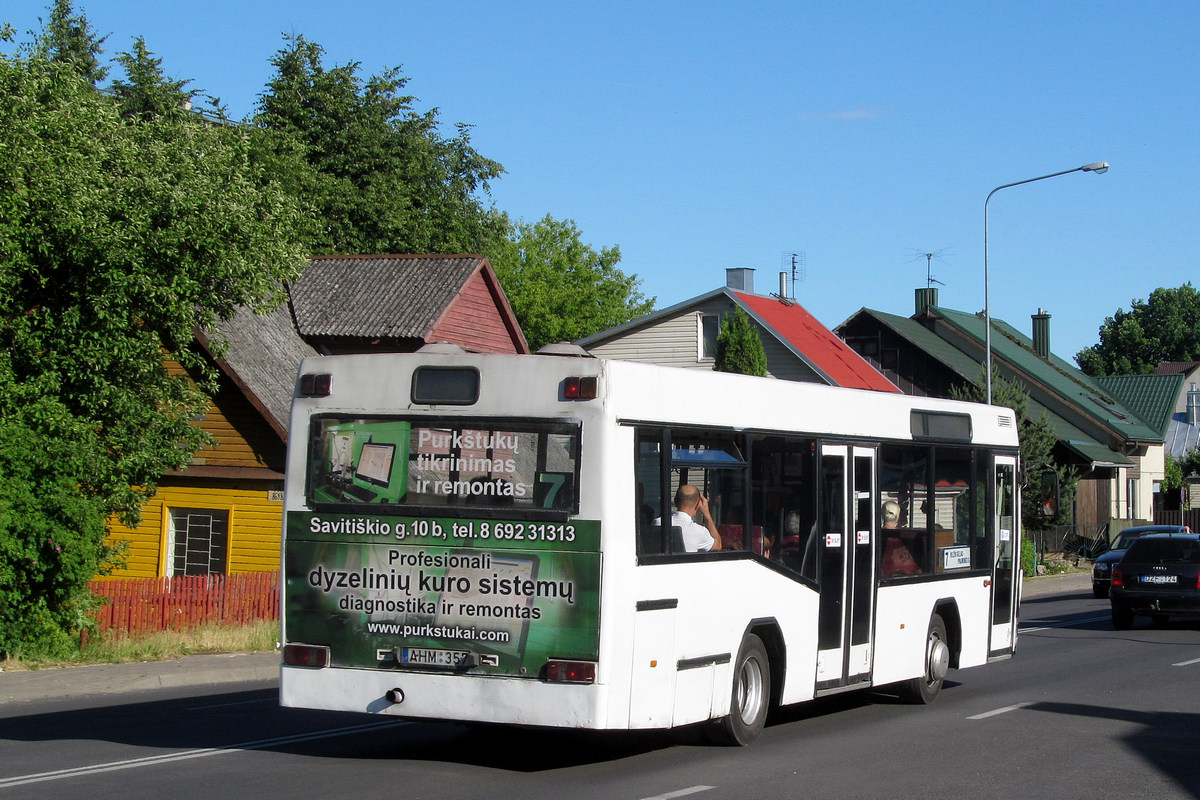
(680, 793)
(1062, 624)
(1187, 663)
(997, 711)
(149, 761)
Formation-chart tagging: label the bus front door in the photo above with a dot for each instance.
(1006, 533)
(847, 566)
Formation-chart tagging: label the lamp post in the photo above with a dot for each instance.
(1098, 167)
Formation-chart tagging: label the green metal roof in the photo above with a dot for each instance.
(1013, 351)
(1151, 397)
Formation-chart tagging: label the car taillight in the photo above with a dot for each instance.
(1116, 577)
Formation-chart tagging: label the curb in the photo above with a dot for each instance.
(101, 679)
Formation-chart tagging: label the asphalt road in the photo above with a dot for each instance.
(1081, 711)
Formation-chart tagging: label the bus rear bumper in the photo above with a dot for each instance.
(426, 695)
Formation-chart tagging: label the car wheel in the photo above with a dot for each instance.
(750, 698)
(1100, 590)
(1122, 618)
(924, 689)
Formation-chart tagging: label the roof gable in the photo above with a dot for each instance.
(394, 296)
(811, 341)
(1151, 397)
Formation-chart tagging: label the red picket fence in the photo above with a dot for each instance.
(146, 605)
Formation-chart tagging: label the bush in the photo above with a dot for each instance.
(1028, 558)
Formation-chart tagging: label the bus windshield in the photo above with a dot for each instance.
(397, 463)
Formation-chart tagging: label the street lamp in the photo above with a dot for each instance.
(1098, 167)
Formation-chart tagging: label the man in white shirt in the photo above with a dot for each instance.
(696, 538)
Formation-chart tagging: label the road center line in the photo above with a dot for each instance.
(680, 792)
(1005, 710)
(1187, 663)
(1061, 624)
(148, 761)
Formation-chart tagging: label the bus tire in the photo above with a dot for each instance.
(750, 698)
(924, 689)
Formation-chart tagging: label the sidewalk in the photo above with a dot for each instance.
(99, 679)
(1068, 582)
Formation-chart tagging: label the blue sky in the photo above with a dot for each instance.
(699, 136)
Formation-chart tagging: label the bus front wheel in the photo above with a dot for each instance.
(751, 695)
(925, 689)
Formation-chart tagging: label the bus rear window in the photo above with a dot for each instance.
(398, 463)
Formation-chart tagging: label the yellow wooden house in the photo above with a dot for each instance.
(224, 513)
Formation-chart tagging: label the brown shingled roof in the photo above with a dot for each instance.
(391, 296)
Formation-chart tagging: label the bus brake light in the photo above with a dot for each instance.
(316, 385)
(580, 388)
(306, 655)
(570, 671)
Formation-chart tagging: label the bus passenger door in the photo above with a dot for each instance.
(847, 565)
(1005, 530)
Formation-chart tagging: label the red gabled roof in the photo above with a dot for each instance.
(825, 351)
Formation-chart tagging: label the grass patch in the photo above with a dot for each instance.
(255, 637)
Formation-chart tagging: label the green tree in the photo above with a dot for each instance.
(1164, 328)
(147, 93)
(1046, 478)
(378, 176)
(68, 39)
(561, 289)
(117, 242)
(739, 348)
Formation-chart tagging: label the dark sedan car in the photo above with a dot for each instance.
(1159, 577)
(1102, 566)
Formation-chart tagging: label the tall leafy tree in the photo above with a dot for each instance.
(379, 176)
(561, 289)
(1047, 478)
(1166, 327)
(68, 39)
(118, 239)
(146, 92)
(739, 348)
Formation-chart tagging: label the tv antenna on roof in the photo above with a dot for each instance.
(794, 265)
(929, 257)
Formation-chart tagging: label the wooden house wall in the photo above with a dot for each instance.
(244, 439)
(255, 525)
(475, 322)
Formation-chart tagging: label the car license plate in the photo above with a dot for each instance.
(428, 657)
(1160, 579)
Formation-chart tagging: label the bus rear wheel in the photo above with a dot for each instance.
(750, 698)
(924, 690)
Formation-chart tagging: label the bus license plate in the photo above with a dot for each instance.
(428, 657)
(1160, 579)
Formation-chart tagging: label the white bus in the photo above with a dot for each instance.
(488, 538)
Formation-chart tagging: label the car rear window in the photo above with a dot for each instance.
(1165, 550)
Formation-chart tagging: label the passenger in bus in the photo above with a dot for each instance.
(897, 557)
(697, 538)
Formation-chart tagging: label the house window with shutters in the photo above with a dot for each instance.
(198, 541)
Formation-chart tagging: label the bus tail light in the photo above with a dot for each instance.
(316, 385)
(570, 671)
(580, 388)
(1117, 578)
(306, 655)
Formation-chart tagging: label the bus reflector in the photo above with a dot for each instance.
(570, 672)
(315, 385)
(306, 655)
(580, 388)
